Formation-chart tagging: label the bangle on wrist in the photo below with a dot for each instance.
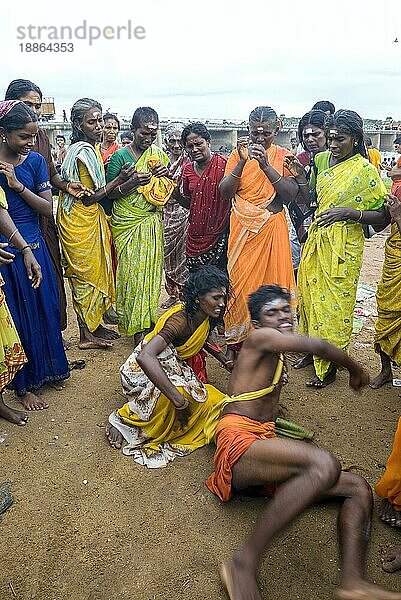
(236, 176)
(306, 183)
(105, 191)
(66, 187)
(22, 189)
(27, 247)
(182, 406)
(277, 180)
(360, 216)
(228, 362)
(13, 234)
(119, 190)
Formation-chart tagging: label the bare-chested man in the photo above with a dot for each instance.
(248, 453)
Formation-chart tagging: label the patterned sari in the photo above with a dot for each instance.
(332, 256)
(148, 420)
(137, 229)
(12, 355)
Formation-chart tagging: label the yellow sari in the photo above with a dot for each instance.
(388, 296)
(12, 355)
(148, 421)
(85, 242)
(332, 256)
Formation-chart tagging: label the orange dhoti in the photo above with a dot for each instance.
(234, 435)
(389, 486)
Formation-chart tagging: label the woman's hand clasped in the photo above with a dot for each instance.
(334, 215)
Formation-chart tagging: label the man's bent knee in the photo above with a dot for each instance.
(327, 470)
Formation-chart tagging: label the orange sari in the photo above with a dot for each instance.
(389, 486)
(259, 251)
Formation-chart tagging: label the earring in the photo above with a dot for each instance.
(4, 139)
(355, 143)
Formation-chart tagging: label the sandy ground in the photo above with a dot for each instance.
(90, 524)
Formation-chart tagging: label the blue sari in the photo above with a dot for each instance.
(35, 313)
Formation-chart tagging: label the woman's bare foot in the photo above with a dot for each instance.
(106, 334)
(32, 402)
(169, 303)
(110, 317)
(364, 590)
(14, 416)
(315, 382)
(391, 559)
(303, 362)
(389, 514)
(115, 438)
(239, 581)
(385, 376)
(87, 341)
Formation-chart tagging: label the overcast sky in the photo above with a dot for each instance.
(217, 59)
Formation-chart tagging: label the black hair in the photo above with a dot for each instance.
(109, 116)
(19, 116)
(198, 128)
(127, 134)
(200, 282)
(143, 115)
(264, 294)
(58, 135)
(397, 139)
(348, 121)
(262, 114)
(78, 111)
(318, 118)
(19, 87)
(325, 106)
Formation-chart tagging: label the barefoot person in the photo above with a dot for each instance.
(12, 355)
(349, 193)
(83, 229)
(168, 405)
(258, 246)
(249, 453)
(35, 310)
(137, 224)
(388, 297)
(175, 219)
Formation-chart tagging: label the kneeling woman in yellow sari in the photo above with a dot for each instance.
(168, 405)
(349, 193)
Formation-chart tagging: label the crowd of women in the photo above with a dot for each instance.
(129, 211)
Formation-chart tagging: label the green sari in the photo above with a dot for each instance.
(332, 256)
(137, 229)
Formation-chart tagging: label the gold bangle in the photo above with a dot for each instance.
(277, 180)
(236, 176)
(66, 187)
(13, 234)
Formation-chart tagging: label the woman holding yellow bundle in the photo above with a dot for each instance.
(168, 405)
(137, 224)
(83, 228)
(349, 193)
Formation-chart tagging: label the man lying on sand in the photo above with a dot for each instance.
(249, 454)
